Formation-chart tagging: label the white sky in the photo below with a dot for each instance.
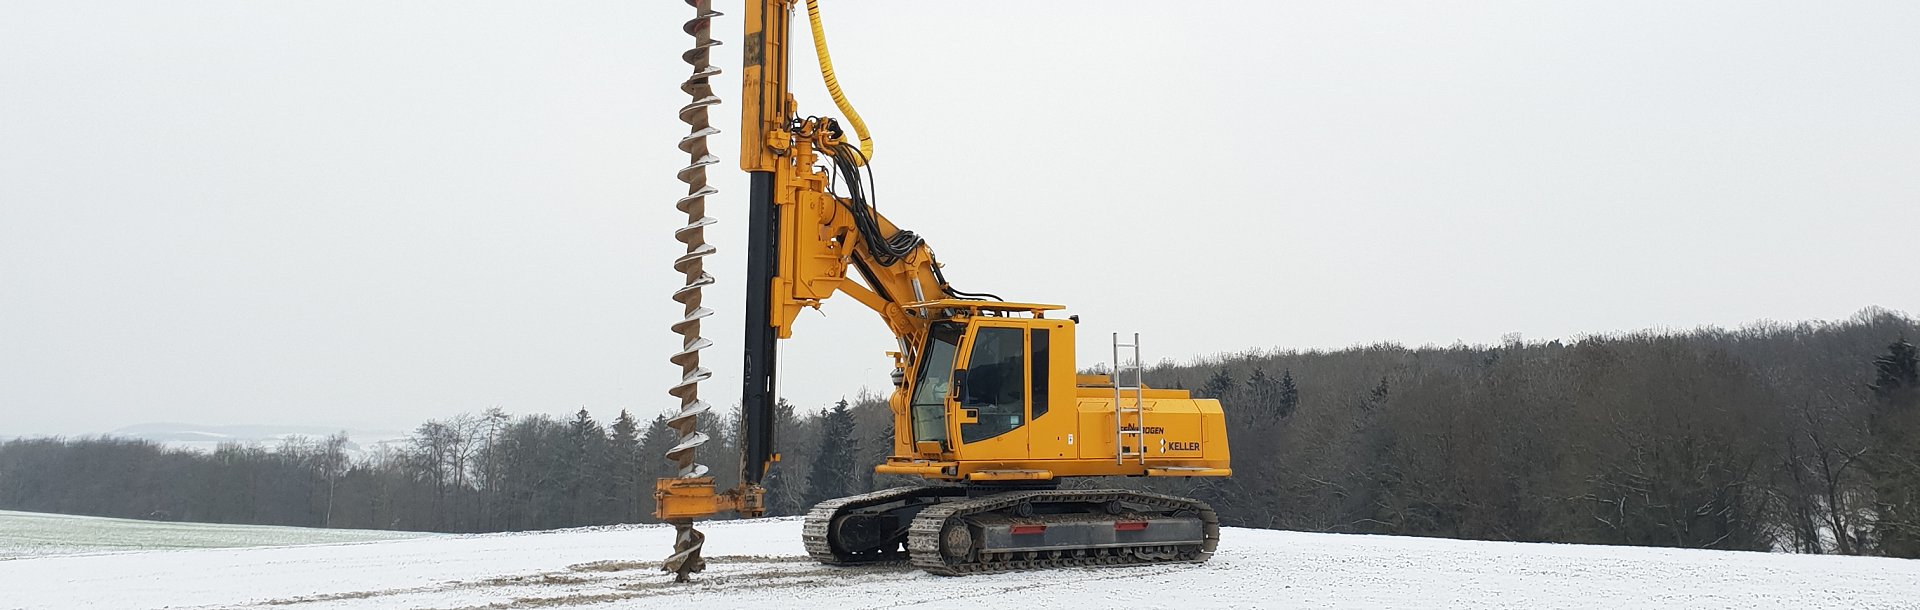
(372, 213)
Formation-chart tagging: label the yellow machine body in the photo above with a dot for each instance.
(1042, 420)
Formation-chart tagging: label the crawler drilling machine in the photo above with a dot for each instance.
(989, 407)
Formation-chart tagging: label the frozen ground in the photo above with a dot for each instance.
(759, 564)
(33, 534)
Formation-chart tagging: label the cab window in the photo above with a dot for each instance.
(929, 403)
(996, 383)
(1041, 362)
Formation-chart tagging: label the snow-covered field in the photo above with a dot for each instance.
(36, 534)
(760, 564)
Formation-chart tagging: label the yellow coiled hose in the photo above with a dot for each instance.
(833, 84)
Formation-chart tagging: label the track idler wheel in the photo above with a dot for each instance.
(957, 541)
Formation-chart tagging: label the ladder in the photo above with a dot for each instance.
(1127, 384)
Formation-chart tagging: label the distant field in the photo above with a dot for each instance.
(37, 534)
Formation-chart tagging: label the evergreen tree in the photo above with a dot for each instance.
(1289, 394)
(586, 470)
(1896, 379)
(653, 449)
(623, 461)
(1217, 386)
(1377, 396)
(1895, 463)
(831, 475)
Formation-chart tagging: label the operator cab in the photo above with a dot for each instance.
(986, 372)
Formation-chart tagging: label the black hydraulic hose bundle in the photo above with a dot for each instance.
(884, 249)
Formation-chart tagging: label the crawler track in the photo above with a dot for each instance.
(818, 530)
(925, 548)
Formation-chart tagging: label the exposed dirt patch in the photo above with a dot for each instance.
(562, 600)
(763, 558)
(328, 597)
(614, 566)
(550, 578)
(616, 580)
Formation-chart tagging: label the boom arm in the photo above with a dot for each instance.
(803, 238)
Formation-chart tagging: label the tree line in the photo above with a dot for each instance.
(482, 472)
(1800, 438)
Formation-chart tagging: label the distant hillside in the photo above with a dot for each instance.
(202, 437)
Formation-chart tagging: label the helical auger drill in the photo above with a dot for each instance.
(688, 541)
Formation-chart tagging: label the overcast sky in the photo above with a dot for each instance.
(372, 213)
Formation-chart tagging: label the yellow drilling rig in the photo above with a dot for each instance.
(988, 404)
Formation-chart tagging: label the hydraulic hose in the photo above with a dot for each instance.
(833, 84)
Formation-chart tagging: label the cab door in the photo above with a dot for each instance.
(991, 400)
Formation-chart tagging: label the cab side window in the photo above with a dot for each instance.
(996, 383)
(1041, 362)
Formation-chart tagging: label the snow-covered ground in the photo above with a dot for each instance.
(760, 564)
(39, 534)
